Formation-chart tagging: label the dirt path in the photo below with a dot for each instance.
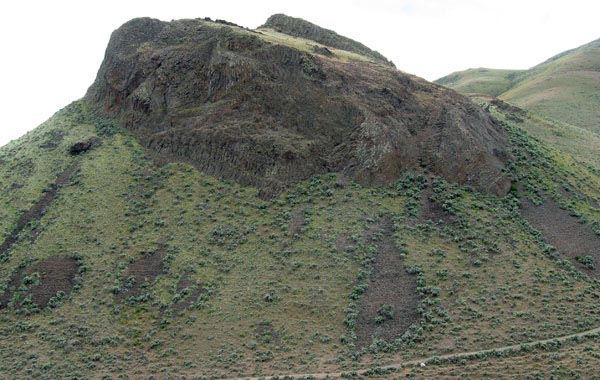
(399, 365)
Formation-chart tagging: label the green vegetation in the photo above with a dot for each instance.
(306, 45)
(297, 27)
(573, 358)
(577, 142)
(565, 87)
(234, 285)
(492, 82)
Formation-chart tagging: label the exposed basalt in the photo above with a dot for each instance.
(268, 115)
(82, 146)
(298, 27)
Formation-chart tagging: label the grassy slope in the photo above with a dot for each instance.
(275, 301)
(565, 87)
(577, 142)
(26, 172)
(307, 46)
(577, 359)
(491, 82)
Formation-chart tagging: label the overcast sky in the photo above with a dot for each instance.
(51, 50)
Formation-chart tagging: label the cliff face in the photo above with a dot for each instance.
(269, 115)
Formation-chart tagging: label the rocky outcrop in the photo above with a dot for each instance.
(298, 27)
(83, 146)
(269, 115)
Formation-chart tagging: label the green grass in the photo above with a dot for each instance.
(574, 359)
(273, 37)
(33, 162)
(492, 82)
(578, 142)
(493, 286)
(307, 46)
(565, 87)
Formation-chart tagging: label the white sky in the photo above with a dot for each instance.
(51, 50)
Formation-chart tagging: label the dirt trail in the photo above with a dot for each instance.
(415, 362)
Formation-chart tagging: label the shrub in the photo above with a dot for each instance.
(586, 261)
(386, 311)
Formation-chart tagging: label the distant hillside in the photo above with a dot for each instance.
(484, 81)
(578, 142)
(566, 87)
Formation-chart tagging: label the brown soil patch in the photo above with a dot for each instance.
(567, 233)
(266, 333)
(53, 139)
(344, 243)
(56, 273)
(14, 186)
(36, 211)
(390, 284)
(432, 210)
(297, 221)
(190, 291)
(140, 189)
(141, 273)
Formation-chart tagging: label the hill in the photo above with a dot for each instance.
(261, 111)
(566, 87)
(144, 238)
(492, 82)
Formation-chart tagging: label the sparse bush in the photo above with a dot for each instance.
(586, 261)
(386, 311)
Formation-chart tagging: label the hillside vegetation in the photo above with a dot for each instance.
(297, 27)
(580, 143)
(187, 274)
(566, 87)
(492, 82)
(119, 261)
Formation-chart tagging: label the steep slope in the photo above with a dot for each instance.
(269, 114)
(191, 275)
(566, 87)
(124, 262)
(580, 143)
